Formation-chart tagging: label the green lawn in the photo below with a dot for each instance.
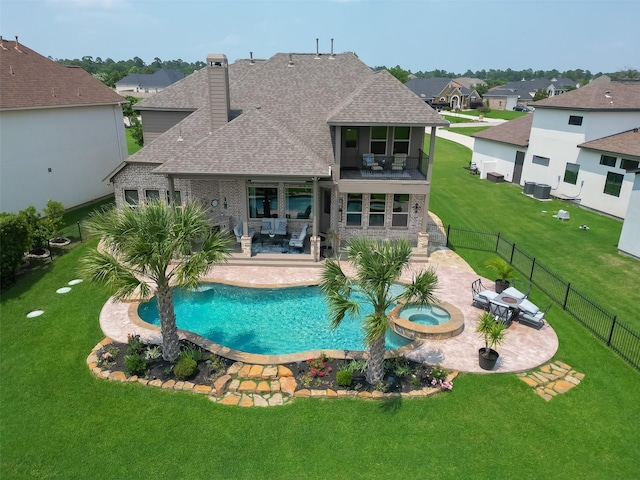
(467, 130)
(452, 119)
(58, 421)
(132, 146)
(504, 114)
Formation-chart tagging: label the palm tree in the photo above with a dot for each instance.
(378, 265)
(150, 248)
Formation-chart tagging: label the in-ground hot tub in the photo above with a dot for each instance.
(428, 322)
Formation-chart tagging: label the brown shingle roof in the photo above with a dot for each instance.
(282, 127)
(625, 143)
(514, 132)
(27, 79)
(597, 95)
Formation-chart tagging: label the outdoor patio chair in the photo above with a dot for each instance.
(481, 295)
(237, 231)
(399, 162)
(369, 161)
(280, 226)
(526, 306)
(297, 239)
(501, 313)
(523, 286)
(535, 321)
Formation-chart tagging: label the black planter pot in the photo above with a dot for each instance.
(501, 285)
(488, 360)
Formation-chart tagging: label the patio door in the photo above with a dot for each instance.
(517, 168)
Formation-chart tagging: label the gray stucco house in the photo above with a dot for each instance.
(316, 139)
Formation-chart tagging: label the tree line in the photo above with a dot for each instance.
(110, 71)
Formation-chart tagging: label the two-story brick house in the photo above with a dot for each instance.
(319, 139)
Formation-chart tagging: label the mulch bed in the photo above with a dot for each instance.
(402, 375)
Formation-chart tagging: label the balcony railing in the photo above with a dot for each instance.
(415, 168)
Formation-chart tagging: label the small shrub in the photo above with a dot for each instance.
(107, 355)
(415, 381)
(136, 346)
(344, 378)
(438, 373)
(381, 386)
(353, 366)
(306, 380)
(318, 366)
(134, 364)
(184, 368)
(398, 367)
(192, 352)
(153, 353)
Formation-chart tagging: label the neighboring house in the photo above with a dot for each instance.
(143, 83)
(629, 237)
(287, 137)
(60, 130)
(584, 144)
(469, 83)
(507, 96)
(444, 92)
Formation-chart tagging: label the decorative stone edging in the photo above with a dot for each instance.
(247, 385)
(552, 379)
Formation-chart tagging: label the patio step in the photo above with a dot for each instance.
(274, 260)
(419, 255)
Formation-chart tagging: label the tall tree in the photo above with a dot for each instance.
(379, 265)
(540, 94)
(151, 247)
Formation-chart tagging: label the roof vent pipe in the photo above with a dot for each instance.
(2, 44)
(18, 45)
(290, 60)
(332, 56)
(251, 60)
(317, 49)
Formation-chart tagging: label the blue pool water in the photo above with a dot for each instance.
(264, 321)
(425, 314)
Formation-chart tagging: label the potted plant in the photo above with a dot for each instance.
(492, 333)
(504, 270)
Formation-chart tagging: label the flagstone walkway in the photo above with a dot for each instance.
(552, 379)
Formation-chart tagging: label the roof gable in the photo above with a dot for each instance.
(384, 100)
(624, 144)
(515, 132)
(28, 80)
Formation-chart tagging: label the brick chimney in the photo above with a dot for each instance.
(218, 82)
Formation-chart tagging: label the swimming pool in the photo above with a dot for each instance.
(264, 321)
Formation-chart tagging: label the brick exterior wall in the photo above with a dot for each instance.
(140, 177)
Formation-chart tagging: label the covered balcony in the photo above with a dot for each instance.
(385, 167)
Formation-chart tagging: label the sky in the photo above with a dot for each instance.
(451, 35)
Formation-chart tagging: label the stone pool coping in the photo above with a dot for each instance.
(409, 329)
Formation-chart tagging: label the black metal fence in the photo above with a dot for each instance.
(622, 339)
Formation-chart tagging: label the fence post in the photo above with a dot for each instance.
(447, 238)
(613, 325)
(497, 242)
(79, 232)
(533, 266)
(566, 296)
(513, 248)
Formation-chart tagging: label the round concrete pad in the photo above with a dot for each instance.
(63, 290)
(35, 313)
(75, 282)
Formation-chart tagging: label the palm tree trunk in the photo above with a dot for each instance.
(375, 362)
(170, 340)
